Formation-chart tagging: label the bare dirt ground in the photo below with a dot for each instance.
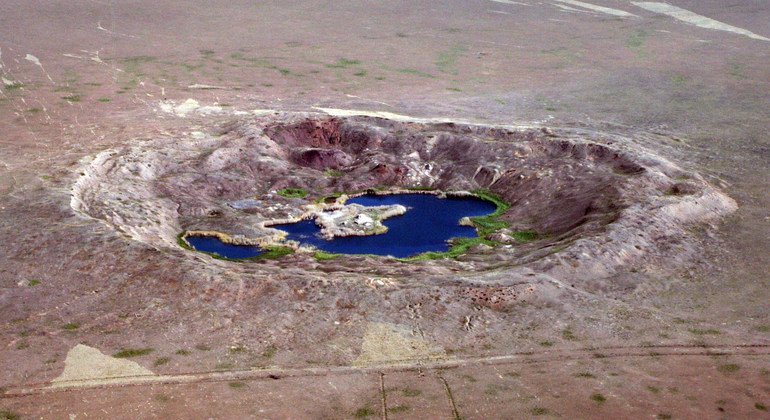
(99, 323)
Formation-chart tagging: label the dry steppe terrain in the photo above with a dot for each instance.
(630, 137)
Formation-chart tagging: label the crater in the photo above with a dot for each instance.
(577, 201)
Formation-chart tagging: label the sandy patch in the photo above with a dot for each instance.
(390, 343)
(85, 365)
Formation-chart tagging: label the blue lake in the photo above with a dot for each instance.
(213, 245)
(427, 225)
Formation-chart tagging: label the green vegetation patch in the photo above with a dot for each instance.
(270, 351)
(398, 409)
(409, 392)
(274, 252)
(598, 398)
(292, 193)
(679, 80)
(325, 256)
(333, 173)
(182, 242)
(490, 223)
(127, 353)
(331, 198)
(709, 331)
(8, 415)
(525, 236)
(637, 39)
(447, 60)
(70, 326)
(416, 72)
(364, 412)
(459, 246)
(729, 368)
(344, 63)
(14, 86)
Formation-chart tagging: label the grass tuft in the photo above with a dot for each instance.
(333, 173)
(408, 392)
(8, 415)
(325, 256)
(709, 331)
(274, 252)
(598, 398)
(127, 353)
(70, 326)
(182, 242)
(292, 193)
(270, 351)
(525, 236)
(344, 63)
(14, 86)
(729, 368)
(364, 412)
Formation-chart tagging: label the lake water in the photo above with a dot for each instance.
(213, 245)
(427, 225)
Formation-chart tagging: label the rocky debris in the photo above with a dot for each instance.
(246, 204)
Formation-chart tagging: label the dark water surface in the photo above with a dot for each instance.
(427, 225)
(213, 245)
